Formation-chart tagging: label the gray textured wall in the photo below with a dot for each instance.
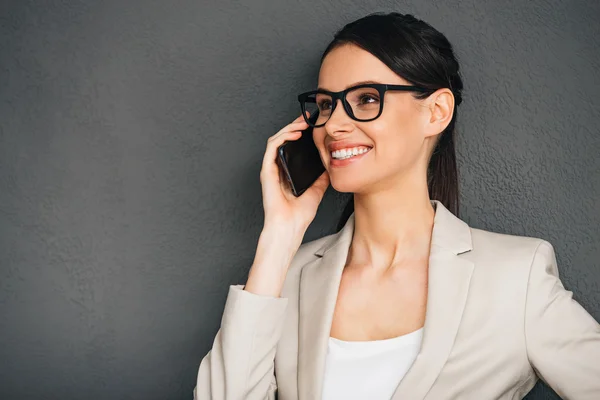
(131, 136)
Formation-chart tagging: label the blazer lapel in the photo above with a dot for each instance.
(449, 277)
(319, 285)
(448, 285)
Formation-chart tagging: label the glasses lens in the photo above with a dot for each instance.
(318, 103)
(365, 103)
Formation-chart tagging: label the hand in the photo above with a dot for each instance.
(280, 204)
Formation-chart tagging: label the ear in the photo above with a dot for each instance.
(441, 110)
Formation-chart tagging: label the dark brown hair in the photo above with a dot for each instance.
(423, 56)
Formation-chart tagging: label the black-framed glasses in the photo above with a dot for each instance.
(362, 102)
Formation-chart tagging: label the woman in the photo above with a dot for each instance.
(406, 301)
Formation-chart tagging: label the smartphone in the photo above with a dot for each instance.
(300, 160)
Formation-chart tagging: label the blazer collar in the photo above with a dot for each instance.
(449, 277)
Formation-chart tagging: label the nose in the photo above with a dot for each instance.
(339, 121)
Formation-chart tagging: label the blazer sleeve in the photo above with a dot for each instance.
(240, 365)
(562, 338)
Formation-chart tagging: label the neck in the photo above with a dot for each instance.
(392, 228)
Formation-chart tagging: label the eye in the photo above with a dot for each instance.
(324, 105)
(367, 99)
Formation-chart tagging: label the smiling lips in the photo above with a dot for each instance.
(344, 157)
(349, 152)
(345, 152)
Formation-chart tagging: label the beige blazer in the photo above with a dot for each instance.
(497, 318)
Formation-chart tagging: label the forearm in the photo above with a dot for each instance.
(275, 251)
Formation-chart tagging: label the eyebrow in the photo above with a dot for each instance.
(352, 85)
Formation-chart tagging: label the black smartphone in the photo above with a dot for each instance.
(300, 160)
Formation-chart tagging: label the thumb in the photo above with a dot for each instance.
(321, 184)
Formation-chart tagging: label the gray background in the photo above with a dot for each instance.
(131, 137)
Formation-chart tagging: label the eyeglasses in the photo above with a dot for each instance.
(362, 102)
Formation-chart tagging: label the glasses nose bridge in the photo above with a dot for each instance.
(328, 124)
(341, 96)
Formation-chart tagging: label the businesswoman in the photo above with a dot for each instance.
(405, 301)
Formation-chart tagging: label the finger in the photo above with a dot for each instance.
(294, 126)
(299, 121)
(321, 184)
(270, 169)
(269, 164)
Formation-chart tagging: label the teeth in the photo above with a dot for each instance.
(347, 153)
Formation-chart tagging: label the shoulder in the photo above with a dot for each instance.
(512, 253)
(489, 241)
(507, 269)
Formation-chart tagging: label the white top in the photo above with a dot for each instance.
(368, 369)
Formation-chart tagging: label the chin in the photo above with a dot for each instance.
(347, 184)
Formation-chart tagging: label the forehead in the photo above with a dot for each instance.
(348, 64)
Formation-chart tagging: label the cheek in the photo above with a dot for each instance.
(396, 143)
(319, 136)
(319, 139)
